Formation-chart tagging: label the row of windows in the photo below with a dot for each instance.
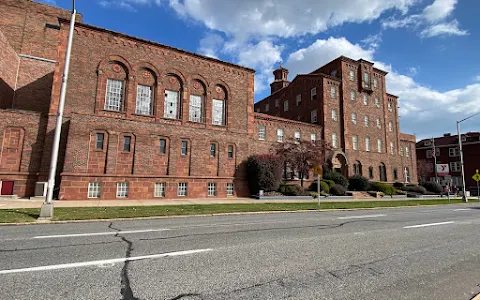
(366, 121)
(366, 79)
(127, 140)
(144, 103)
(452, 152)
(262, 133)
(123, 188)
(357, 170)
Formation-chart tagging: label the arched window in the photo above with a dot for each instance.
(219, 102)
(116, 81)
(357, 168)
(173, 93)
(146, 82)
(383, 172)
(370, 172)
(198, 94)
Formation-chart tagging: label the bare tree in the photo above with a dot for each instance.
(424, 169)
(303, 156)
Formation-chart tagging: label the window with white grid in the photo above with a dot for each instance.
(261, 132)
(333, 92)
(313, 116)
(365, 100)
(366, 121)
(407, 151)
(218, 112)
(313, 137)
(367, 143)
(379, 145)
(171, 105)
(379, 123)
(122, 189)
(280, 135)
(392, 148)
(212, 189)
(195, 110)
(285, 105)
(334, 140)
(313, 93)
(390, 126)
(401, 150)
(94, 190)
(453, 152)
(159, 189)
(352, 75)
(297, 136)
(184, 148)
(355, 142)
(114, 95)
(390, 107)
(182, 189)
(299, 99)
(377, 102)
(353, 95)
(334, 114)
(144, 100)
(354, 118)
(375, 82)
(230, 189)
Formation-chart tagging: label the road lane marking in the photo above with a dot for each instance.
(430, 224)
(462, 209)
(98, 233)
(360, 217)
(100, 263)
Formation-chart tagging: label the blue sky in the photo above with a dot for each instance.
(429, 47)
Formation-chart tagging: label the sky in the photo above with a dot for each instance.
(429, 47)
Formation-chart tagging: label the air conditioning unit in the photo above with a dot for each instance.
(41, 189)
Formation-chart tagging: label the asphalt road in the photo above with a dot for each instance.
(411, 253)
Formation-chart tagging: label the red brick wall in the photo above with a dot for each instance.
(8, 72)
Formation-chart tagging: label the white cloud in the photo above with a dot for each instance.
(450, 28)
(412, 71)
(439, 10)
(127, 4)
(372, 41)
(476, 78)
(424, 111)
(211, 44)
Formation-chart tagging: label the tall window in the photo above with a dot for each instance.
(159, 190)
(230, 189)
(267, 107)
(366, 79)
(144, 100)
(407, 175)
(357, 168)
(122, 189)
(313, 116)
(297, 136)
(333, 92)
(353, 95)
(212, 189)
(334, 114)
(379, 145)
(375, 82)
(170, 110)
(395, 174)
(127, 140)
(94, 190)
(379, 123)
(354, 118)
(114, 95)
(401, 151)
(365, 99)
(453, 152)
(182, 189)
(390, 107)
(299, 99)
(313, 137)
(370, 172)
(195, 112)
(407, 151)
(377, 102)
(277, 103)
(366, 121)
(390, 126)
(280, 135)
(285, 105)
(213, 150)
(163, 146)
(261, 132)
(392, 148)
(352, 75)
(334, 140)
(99, 141)
(184, 149)
(355, 142)
(218, 112)
(230, 151)
(367, 144)
(313, 93)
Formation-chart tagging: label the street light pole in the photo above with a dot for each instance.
(46, 211)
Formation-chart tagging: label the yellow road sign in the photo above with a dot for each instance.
(476, 177)
(318, 170)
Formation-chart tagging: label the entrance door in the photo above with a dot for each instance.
(7, 188)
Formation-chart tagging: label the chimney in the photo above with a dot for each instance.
(281, 79)
(447, 134)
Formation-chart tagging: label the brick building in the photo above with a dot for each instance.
(141, 119)
(348, 99)
(447, 152)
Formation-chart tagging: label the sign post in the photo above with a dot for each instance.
(318, 171)
(476, 177)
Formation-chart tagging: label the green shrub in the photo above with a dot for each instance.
(293, 190)
(399, 185)
(323, 187)
(314, 195)
(357, 183)
(336, 177)
(383, 187)
(338, 190)
(264, 172)
(329, 182)
(433, 187)
(415, 189)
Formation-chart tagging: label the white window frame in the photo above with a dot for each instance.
(367, 144)
(334, 114)
(171, 104)
(144, 100)
(280, 135)
(354, 118)
(365, 99)
(334, 140)
(182, 189)
(195, 109)
(392, 148)
(212, 189)
(355, 142)
(353, 95)
(313, 93)
(333, 92)
(379, 145)
(379, 123)
(366, 121)
(297, 136)
(313, 116)
(407, 151)
(230, 189)
(366, 79)
(159, 189)
(94, 189)
(262, 132)
(390, 126)
(313, 137)
(122, 189)
(352, 75)
(182, 152)
(377, 102)
(299, 99)
(375, 82)
(114, 95)
(218, 112)
(453, 152)
(285, 105)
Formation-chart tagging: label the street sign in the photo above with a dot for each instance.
(476, 177)
(442, 169)
(318, 170)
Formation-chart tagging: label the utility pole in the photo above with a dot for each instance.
(46, 211)
(434, 153)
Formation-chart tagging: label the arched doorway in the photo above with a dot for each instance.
(340, 163)
(357, 168)
(383, 172)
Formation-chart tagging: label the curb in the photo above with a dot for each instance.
(43, 222)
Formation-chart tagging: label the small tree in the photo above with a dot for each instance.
(264, 172)
(302, 155)
(424, 169)
(358, 183)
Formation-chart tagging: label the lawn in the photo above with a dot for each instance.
(89, 213)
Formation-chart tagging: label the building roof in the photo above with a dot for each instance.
(126, 36)
(448, 139)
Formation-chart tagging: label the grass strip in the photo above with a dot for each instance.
(89, 213)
